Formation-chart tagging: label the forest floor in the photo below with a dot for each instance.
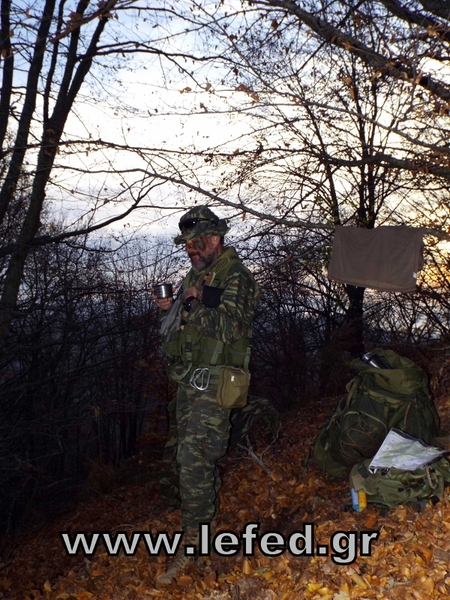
(409, 560)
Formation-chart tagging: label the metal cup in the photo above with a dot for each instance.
(163, 290)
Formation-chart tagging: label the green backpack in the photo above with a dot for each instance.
(395, 486)
(377, 400)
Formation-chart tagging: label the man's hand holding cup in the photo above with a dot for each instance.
(163, 294)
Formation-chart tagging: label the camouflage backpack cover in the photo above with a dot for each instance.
(377, 400)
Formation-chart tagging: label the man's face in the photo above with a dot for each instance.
(203, 251)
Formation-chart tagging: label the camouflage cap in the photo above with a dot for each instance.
(200, 221)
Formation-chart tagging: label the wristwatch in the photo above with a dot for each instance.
(187, 304)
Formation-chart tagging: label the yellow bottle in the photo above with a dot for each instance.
(362, 501)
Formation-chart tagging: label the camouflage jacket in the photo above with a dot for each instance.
(217, 329)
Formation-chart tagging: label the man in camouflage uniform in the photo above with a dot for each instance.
(207, 327)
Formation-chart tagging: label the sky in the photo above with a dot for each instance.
(146, 119)
(139, 103)
(142, 104)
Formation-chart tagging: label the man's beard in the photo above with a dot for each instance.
(200, 262)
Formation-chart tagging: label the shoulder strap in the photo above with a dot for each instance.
(222, 264)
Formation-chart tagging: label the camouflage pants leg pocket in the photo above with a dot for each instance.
(205, 442)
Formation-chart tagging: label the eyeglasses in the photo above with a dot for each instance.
(189, 224)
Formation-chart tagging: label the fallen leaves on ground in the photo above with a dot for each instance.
(408, 561)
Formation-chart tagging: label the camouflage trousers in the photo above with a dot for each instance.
(198, 438)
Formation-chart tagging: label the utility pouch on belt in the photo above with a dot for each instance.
(233, 387)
